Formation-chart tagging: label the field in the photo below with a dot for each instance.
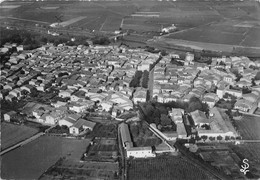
(165, 167)
(105, 131)
(251, 152)
(67, 169)
(102, 150)
(249, 127)
(12, 134)
(31, 160)
(223, 22)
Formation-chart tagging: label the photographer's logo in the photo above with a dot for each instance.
(245, 166)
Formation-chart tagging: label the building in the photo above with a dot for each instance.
(136, 152)
(181, 131)
(80, 126)
(176, 115)
(199, 118)
(218, 125)
(9, 115)
(140, 152)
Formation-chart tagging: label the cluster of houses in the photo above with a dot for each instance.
(210, 83)
(82, 77)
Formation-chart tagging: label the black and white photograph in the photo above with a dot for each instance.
(130, 89)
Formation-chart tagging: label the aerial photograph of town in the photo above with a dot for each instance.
(130, 89)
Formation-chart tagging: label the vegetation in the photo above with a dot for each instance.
(257, 77)
(142, 136)
(32, 40)
(100, 40)
(164, 167)
(145, 79)
(136, 79)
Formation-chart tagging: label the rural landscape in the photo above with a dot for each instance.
(130, 89)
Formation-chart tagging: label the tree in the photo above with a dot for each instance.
(195, 104)
(136, 80)
(227, 138)
(212, 138)
(204, 137)
(165, 120)
(257, 77)
(198, 138)
(219, 138)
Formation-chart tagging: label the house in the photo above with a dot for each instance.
(176, 115)
(16, 93)
(181, 131)
(211, 99)
(69, 120)
(106, 105)
(59, 104)
(65, 93)
(139, 95)
(245, 105)
(199, 118)
(28, 88)
(80, 126)
(52, 118)
(10, 97)
(140, 152)
(9, 115)
(78, 95)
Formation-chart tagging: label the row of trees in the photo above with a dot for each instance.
(145, 79)
(219, 138)
(136, 79)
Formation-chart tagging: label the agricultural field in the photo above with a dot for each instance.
(103, 149)
(251, 152)
(165, 167)
(67, 169)
(105, 131)
(208, 25)
(12, 134)
(32, 159)
(248, 127)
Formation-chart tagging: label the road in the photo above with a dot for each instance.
(122, 152)
(26, 141)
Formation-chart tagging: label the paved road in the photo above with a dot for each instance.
(26, 141)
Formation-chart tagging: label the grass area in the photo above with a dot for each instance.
(249, 127)
(102, 150)
(31, 160)
(12, 134)
(67, 169)
(213, 21)
(165, 167)
(251, 152)
(102, 130)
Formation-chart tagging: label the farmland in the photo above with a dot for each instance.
(12, 134)
(67, 169)
(102, 150)
(248, 127)
(31, 160)
(165, 167)
(228, 22)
